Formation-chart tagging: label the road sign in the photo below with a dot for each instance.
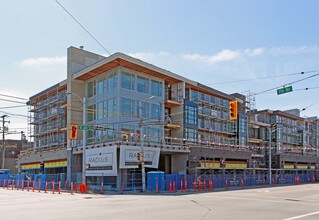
(85, 127)
(284, 90)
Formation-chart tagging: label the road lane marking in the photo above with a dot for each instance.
(301, 216)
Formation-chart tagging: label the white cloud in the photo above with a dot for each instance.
(224, 55)
(44, 61)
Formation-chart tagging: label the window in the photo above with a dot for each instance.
(90, 112)
(111, 107)
(127, 106)
(156, 88)
(100, 110)
(142, 84)
(91, 89)
(128, 81)
(145, 109)
(155, 111)
(101, 86)
(112, 82)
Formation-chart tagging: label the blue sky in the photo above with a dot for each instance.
(206, 41)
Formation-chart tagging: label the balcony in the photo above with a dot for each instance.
(170, 103)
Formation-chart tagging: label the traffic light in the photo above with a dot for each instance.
(139, 156)
(73, 132)
(233, 110)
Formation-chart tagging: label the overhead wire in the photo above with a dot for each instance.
(266, 77)
(286, 84)
(82, 26)
(15, 97)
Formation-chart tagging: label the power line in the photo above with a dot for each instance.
(266, 77)
(15, 97)
(15, 106)
(82, 26)
(8, 100)
(304, 109)
(287, 84)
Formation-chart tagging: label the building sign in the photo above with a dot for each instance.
(289, 166)
(54, 164)
(31, 166)
(101, 161)
(302, 166)
(210, 164)
(235, 165)
(128, 157)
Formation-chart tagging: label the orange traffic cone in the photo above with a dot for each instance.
(194, 183)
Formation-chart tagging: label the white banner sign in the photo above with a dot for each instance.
(101, 161)
(128, 156)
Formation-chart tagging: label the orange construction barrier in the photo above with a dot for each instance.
(82, 188)
(194, 184)
(181, 185)
(156, 186)
(174, 185)
(199, 185)
(101, 188)
(71, 186)
(170, 186)
(242, 183)
(210, 184)
(59, 187)
(46, 187)
(39, 186)
(53, 185)
(226, 184)
(205, 186)
(186, 185)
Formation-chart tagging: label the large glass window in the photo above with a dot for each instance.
(91, 89)
(128, 81)
(142, 84)
(101, 86)
(127, 106)
(99, 110)
(145, 109)
(91, 113)
(112, 82)
(156, 88)
(155, 111)
(111, 107)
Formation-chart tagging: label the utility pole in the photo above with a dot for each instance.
(3, 139)
(269, 154)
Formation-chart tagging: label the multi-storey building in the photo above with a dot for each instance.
(120, 103)
(47, 153)
(123, 106)
(287, 135)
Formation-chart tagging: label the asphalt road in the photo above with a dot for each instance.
(288, 203)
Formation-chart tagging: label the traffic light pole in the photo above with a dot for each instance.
(84, 144)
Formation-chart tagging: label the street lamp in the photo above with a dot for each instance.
(142, 142)
(83, 100)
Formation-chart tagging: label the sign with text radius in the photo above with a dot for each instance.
(284, 90)
(85, 127)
